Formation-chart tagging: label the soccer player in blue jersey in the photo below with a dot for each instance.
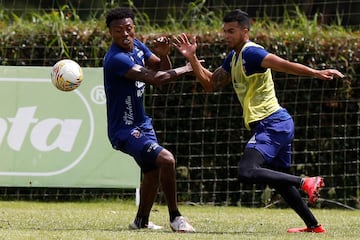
(267, 155)
(128, 66)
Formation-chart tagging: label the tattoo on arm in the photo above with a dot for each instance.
(220, 78)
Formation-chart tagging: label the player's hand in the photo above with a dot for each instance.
(161, 46)
(329, 74)
(185, 47)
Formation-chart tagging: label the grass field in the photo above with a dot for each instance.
(110, 219)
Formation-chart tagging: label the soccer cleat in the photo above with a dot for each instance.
(181, 225)
(312, 186)
(150, 226)
(317, 229)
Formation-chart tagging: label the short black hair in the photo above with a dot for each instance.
(239, 16)
(119, 13)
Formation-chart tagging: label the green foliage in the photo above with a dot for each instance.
(196, 19)
(61, 33)
(45, 37)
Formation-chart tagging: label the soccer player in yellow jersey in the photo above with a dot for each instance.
(267, 155)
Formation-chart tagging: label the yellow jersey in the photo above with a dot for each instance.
(255, 92)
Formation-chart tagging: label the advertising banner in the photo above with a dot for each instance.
(50, 138)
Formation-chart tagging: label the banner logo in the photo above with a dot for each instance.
(49, 131)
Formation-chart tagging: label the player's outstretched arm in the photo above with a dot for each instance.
(281, 65)
(188, 50)
(156, 78)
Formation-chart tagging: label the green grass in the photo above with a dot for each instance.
(110, 219)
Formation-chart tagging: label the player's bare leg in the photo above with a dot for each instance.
(166, 163)
(148, 190)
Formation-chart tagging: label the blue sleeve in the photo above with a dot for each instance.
(144, 48)
(227, 62)
(252, 58)
(121, 64)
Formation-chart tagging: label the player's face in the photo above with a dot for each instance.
(235, 35)
(122, 32)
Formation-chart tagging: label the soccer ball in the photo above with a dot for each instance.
(66, 75)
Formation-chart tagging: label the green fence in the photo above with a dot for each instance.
(203, 130)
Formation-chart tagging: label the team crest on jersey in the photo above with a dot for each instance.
(136, 133)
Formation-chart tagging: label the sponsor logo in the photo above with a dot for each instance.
(140, 86)
(252, 139)
(153, 147)
(128, 114)
(24, 123)
(43, 131)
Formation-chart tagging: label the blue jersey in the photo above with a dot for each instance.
(124, 97)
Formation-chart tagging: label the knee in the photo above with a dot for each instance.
(248, 165)
(166, 159)
(244, 173)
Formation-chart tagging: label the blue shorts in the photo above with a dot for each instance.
(141, 143)
(272, 137)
